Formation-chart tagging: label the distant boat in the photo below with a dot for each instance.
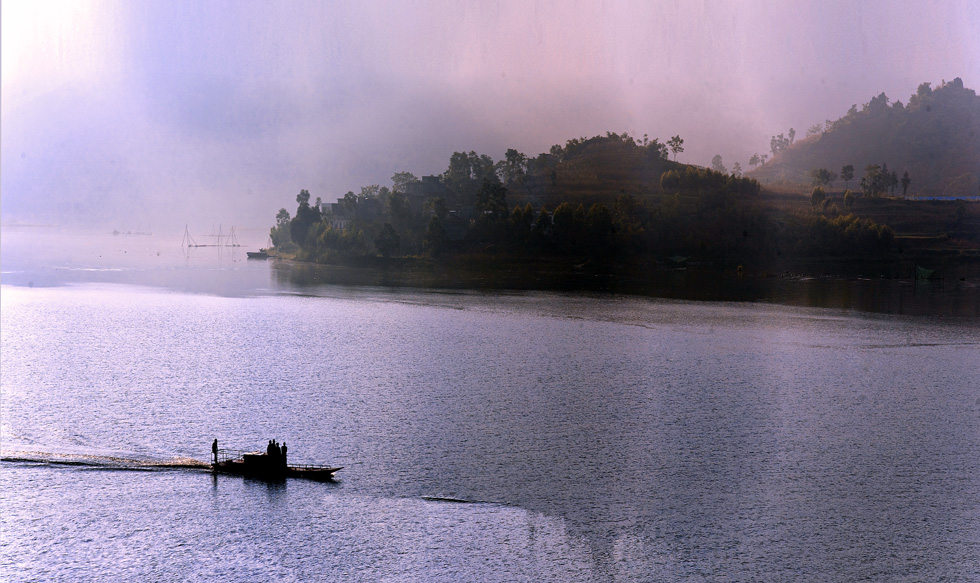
(267, 465)
(260, 254)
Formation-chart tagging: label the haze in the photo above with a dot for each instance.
(154, 115)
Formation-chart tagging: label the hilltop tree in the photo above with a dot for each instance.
(792, 136)
(513, 166)
(401, 180)
(737, 170)
(847, 173)
(676, 145)
(655, 149)
(717, 165)
(778, 143)
(755, 160)
(906, 181)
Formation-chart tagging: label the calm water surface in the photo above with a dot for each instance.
(587, 437)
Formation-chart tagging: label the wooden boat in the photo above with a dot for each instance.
(268, 465)
(260, 254)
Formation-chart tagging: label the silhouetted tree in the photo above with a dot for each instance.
(676, 145)
(306, 217)
(401, 180)
(513, 166)
(875, 181)
(280, 232)
(717, 165)
(847, 173)
(906, 181)
(778, 143)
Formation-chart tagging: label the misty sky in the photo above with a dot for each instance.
(156, 114)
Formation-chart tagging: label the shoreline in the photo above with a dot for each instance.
(837, 285)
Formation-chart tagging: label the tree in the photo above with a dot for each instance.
(875, 180)
(906, 181)
(814, 130)
(655, 149)
(370, 191)
(848, 199)
(737, 170)
(513, 166)
(600, 228)
(398, 206)
(779, 143)
(280, 232)
(350, 202)
(676, 145)
(822, 177)
(717, 165)
(492, 198)
(436, 239)
(817, 197)
(387, 241)
(306, 217)
(755, 160)
(792, 136)
(847, 173)
(401, 180)
(458, 173)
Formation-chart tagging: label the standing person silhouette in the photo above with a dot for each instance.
(284, 453)
(214, 450)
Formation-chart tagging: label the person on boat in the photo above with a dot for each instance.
(214, 450)
(283, 453)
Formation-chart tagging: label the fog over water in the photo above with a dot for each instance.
(156, 114)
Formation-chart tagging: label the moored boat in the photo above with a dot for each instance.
(260, 254)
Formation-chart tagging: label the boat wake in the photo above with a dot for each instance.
(97, 462)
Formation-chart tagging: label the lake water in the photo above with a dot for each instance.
(485, 436)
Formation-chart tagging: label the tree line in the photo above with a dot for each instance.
(692, 211)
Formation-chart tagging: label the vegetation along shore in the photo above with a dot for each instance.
(617, 206)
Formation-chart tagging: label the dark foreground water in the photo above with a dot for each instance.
(527, 436)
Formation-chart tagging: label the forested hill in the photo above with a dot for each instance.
(935, 137)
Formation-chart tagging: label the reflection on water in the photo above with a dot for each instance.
(33, 256)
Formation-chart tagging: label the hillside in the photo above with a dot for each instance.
(935, 138)
(588, 170)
